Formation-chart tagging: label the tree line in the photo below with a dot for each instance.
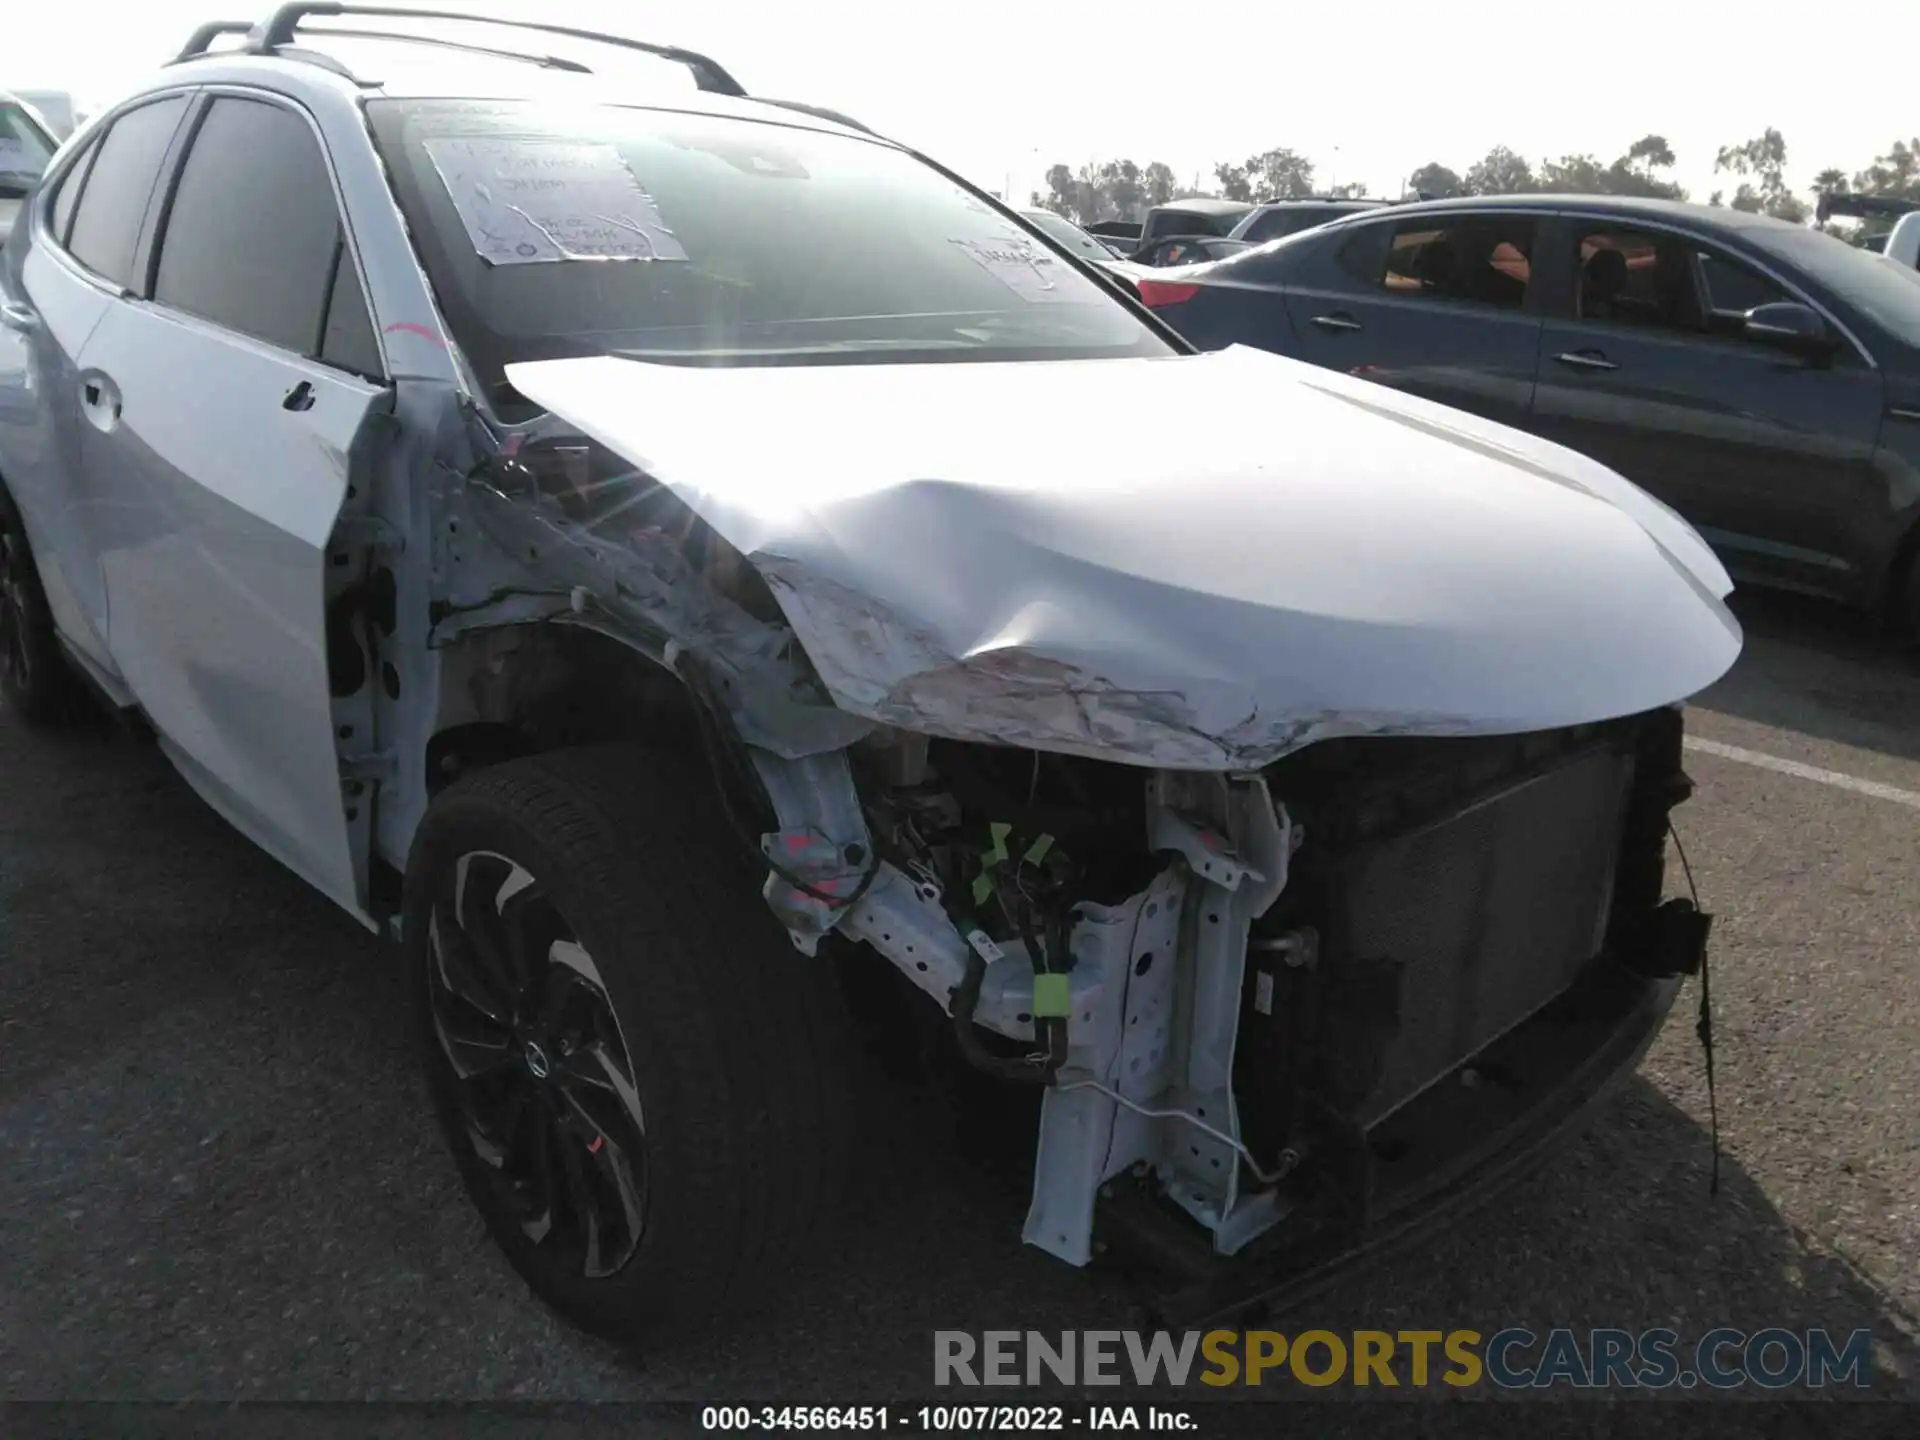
(1755, 169)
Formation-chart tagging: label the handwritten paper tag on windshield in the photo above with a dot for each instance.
(1028, 271)
(13, 156)
(525, 202)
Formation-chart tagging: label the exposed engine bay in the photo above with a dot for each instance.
(1233, 985)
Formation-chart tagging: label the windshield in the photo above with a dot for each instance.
(1888, 294)
(25, 150)
(551, 232)
(1068, 234)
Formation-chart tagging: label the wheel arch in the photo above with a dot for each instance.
(1895, 602)
(528, 689)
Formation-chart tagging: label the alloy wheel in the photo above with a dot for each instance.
(542, 1075)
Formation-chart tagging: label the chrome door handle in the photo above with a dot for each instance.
(18, 317)
(1586, 360)
(1336, 322)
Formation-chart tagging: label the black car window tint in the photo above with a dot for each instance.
(1628, 277)
(1733, 288)
(1360, 253)
(1274, 224)
(1482, 261)
(1666, 282)
(67, 193)
(346, 339)
(253, 229)
(119, 183)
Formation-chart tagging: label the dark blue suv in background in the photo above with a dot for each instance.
(1761, 378)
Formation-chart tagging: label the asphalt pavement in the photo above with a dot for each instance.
(218, 1179)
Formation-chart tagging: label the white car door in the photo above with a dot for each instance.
(230, 404)
(73, 269)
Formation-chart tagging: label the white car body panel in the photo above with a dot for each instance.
(1306, 556)
(51, 486)
(1903, 242)
(217, 506)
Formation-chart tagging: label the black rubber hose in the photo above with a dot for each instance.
(966, 1000)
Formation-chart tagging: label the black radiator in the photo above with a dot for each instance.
(1480, 917)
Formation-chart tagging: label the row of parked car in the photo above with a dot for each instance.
(1188, 232)
(1761, 378)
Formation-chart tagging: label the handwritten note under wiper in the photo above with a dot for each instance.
(528, 202)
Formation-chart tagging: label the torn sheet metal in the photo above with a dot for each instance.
(1196, 562)
(532, 201)
(608, 555)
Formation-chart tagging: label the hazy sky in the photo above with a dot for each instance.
(999, 89)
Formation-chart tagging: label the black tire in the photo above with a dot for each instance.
(35, 676)
(737, 1044)
(1909, 618)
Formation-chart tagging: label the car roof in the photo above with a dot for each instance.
(1331, 202)
(1200, 205)
(1717, 216)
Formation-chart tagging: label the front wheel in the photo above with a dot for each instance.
(640, 1078)
(1910, 603)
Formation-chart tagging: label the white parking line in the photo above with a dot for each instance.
(1805, 772)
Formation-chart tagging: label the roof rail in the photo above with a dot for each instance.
(546, 62)
(203, 37)
(279, 28)
(819, 112)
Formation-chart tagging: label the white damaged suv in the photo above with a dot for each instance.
(642, 547)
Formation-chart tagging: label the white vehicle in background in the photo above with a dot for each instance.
(1901, 244)
(652, 554)
(57, 110)
(26, 145)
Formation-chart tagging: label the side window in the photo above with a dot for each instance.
(1665, 282)
(253, 239)
(1483, 260)
(348, 339)
(1632, 277)
(68, 194)
(113, 200)
(1275, 223)
(1733, 288)
(1271, 226)
(1361, 252)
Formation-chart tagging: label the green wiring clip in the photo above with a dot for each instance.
(999, 832)
(1052, 997)
(1052, 994)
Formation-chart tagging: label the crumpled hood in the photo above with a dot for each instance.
(1199, 561)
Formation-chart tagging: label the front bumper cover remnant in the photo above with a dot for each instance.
(1445, 1153)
